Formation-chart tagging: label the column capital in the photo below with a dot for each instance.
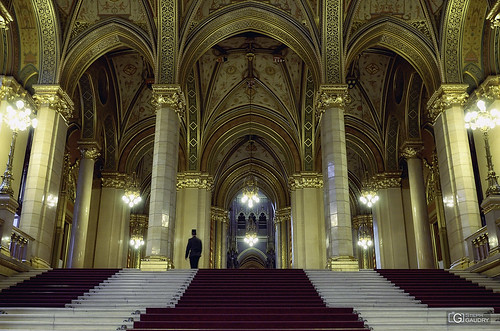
(89, 149)
(335, 95)
(171, 96)
(489, 88)
(5, 17)
(10, 89)
(283, 215)
(305, 180)
(52, 96)
(195, 180)
(114, 180)
(387, 180)
(411, 150)
(366, 219)
(446, 96)
(218, 214)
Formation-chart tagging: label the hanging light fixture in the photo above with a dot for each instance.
(251, 233)
(364, 236)
(132, 194)
(369, 193)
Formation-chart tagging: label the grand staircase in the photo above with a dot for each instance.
(250, 300)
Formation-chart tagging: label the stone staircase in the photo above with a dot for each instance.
(113, 304)
(481, 280)
(19, 277)
(381, 304)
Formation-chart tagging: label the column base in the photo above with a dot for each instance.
(39, 263)
(156, 263)
(462, 263)
(342, 263)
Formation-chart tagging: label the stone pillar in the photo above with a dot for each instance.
(112, 238)
(420, 219)
(76, 257)
(220, 221)
(389, 224)
(455, 168)
(282, 221)
(308, 229)
(339, 247)
(194, 192)
(160, 240)
(45, 170)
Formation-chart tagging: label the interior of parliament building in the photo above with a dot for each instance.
(316, 137)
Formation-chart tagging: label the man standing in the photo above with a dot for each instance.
(193, 250)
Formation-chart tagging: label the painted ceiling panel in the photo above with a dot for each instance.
(206, 67)
(142, 109)
(359, 108)
(372, 71)
(274, 78)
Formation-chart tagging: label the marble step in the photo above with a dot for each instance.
(481, 280)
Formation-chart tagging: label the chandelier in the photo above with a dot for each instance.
(132, 194)
(251, 235)
(136, 242)
(364, 236)
(368, 197)
(250, 193)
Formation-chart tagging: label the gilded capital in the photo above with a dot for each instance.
(218, 214)
(331, 96)
(114, 180)
(89, 150)
(171, 96)
(195, 180)
(305, 180)
(283, 215)
(489, 88)
(387, 180)
(5, 17)
(359, 220)
(53, 97)
(445, 97)
(411, 151)
(11, 90)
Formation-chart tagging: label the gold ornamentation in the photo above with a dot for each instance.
(89, 150)
(283, 215)
(5, 17)
(45, 13)
(305, 180)
(114, 180)
(453, 25)
(195, 180)
(489, 88)
(359, 220)
(167, 30)
(55, 98)
(170, 96)
(11, 90)
(446, 96)
(332, 50)
(494, 15)
(218, 214)
(331, 96)
(387, 180)
(411, 151)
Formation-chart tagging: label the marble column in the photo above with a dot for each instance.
(282, 221)
(391, 250)
(308, 227)
(77, 244)
(455, 168)
(170, 106)
(420, 218)
(194, 193)
(330, 107)
(61, 213)
(55, 108)
(220, 220)
(112, 238)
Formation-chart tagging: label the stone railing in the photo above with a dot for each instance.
(19, 244)
(478, 241)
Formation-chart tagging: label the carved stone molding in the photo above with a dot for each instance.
(489, 88)
(195, 180)
(283, 215)
(171, 96)
(445, 97)
(5, 17)
(411, 150)
(11, 90)
(218, 214)
(89, 150)
(305, 180)
(331, 96)
(387, 180)
(114, 180)
(53, 97)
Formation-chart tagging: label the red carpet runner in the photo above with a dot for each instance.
(53, 288)
(439, 288)
(250, 300)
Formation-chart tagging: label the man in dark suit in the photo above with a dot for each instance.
(193, 250)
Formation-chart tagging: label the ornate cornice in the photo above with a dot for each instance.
(171, 96)
(387, 180)
(218, 214)
(330, 96)
(11, 90)
(195, 180)
(305, 180)
(446, 96)
(53, 97)
(359, 220)
(114, 180)
(489, 88)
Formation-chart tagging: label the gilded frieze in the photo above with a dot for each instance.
(114, 180)
(305, 180)
(195, 180)
(54, 97)
(167, 49)
(453, 25)
(332, 42)
(446, 96)
(386, 181)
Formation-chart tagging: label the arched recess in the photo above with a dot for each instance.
(48, 32)
(397, 36)
(249, 17)
(101, 39)
(451, 40)
(252, 258)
